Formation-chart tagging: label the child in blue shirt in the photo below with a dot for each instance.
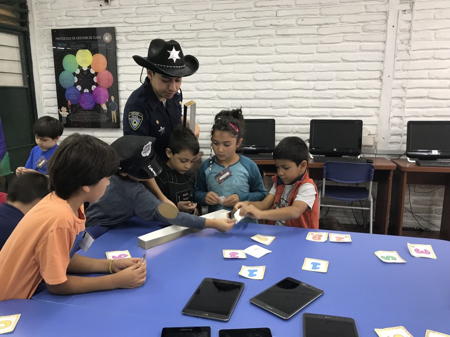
(47, 131)
(227, 178)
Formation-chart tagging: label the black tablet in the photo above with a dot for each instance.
(214, 299)
(287, 297)
(255, 332)
(198, 331)
(315, 325)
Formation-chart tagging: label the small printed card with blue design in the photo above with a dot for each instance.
(431, 333)
(264, 239)
(8, 323)
(396, 331)
(118, 254)
(320, 266)
(234, 254)
(253, 272)
(317, 236)
(336, 237)
(256, 251)
(389, 256)
(418, 250)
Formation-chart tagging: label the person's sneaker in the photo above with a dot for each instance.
(168, 211)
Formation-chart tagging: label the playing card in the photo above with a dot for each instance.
(237, 215)
(397, 331)
(8, 323)
(316, 265)
(233, 254)
(264, 239)
(333, 237)
(257, 251)
(317, 236)
(118, 254)
(253, 272)
(418, 250)
(389, 256)
(431, 333)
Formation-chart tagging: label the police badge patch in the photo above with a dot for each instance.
(135, 119)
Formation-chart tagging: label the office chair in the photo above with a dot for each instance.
(348, 173)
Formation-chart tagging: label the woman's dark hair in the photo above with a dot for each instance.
(80, 160)
(293, 149)
(47, 126)
(28, 187)
(182, 138)
(231, 121)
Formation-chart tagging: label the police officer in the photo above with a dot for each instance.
(154, 109)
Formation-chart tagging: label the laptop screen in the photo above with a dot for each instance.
(259, 135)
(335, 137)
(428, 139)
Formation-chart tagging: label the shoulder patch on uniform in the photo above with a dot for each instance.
(135, 119)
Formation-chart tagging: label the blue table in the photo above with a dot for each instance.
(358, 285)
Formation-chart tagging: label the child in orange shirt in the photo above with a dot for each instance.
(41, 246)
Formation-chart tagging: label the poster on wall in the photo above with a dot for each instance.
(86, 77)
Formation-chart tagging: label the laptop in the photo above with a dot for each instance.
(259, 138)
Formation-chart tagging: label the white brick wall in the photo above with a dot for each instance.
(294, 59)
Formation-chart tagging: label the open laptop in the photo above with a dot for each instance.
(259, 138)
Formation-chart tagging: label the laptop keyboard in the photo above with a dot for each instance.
(431, 163)
(342, 159)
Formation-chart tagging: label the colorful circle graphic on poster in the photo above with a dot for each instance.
(86, 79)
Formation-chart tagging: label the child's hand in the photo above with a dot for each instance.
(131, 277)
(240, 204)
(223, 225)
(186, 206)
(120, 264)
(21, 170)
(251, 212)
(231, 200)
(212, 198)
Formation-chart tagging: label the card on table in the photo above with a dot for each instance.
(264, 239)
(317, 236)
(253, 272)
(431, 333)
(418, 250)
(335, 237)
(396, 331)
(256, 251)
(316, 265)
(8, 323)
(389, 256)
(234, 254)
(117, 254)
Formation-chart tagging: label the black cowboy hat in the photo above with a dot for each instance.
(167, 58)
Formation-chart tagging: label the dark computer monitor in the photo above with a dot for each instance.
(335, 137)
(428, 139)
(259, 136)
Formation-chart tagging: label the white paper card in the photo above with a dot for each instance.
(390, 256)
(253, 272)
(396, 331)
(320, 266)
(257, 251)
(264, 239)
(8, 323)
(237, 215)
(418, 250)
(118, 254)
(233, 254)
(431, 333)
(333, 237)
(317, 236)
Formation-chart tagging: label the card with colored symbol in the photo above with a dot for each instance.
(253, 272)
(118, 254)
(333, 237)
(256, 251)
(320, 266)
(431, 333)
(264, 239)
(8, 323)
(317, 236)
(233, 254)
(418, 250)
(396, 331)
(390, 256)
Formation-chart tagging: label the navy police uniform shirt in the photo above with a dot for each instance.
(146, 115)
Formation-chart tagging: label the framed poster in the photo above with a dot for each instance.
(86, 77)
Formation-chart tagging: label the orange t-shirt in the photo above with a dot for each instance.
(39, 248)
